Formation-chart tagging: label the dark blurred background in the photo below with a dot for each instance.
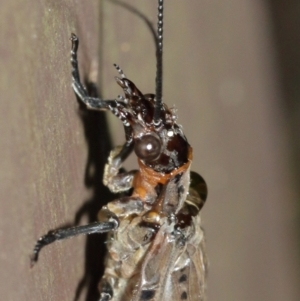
(232, 68)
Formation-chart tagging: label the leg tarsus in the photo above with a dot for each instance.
(112, 179)
(92, 103)
(106, 291)
(115, 181)
(105, 297)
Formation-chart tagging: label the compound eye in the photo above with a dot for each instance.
(148, 147)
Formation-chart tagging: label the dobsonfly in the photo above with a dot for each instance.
(155, 243)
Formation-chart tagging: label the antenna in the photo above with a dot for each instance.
(159, 63)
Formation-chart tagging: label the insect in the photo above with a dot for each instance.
(156, 248)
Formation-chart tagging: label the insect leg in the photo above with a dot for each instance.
(91, 102)
(115, 181)
(52, 236)
(105, 290)
(104, 297)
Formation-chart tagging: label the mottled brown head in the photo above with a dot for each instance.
(161, 146)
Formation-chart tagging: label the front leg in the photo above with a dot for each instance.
(91, 102)
(115, 181)
(105, 289)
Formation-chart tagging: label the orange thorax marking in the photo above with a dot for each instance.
(146, 179)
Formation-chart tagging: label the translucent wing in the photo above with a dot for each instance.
(174, 268)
